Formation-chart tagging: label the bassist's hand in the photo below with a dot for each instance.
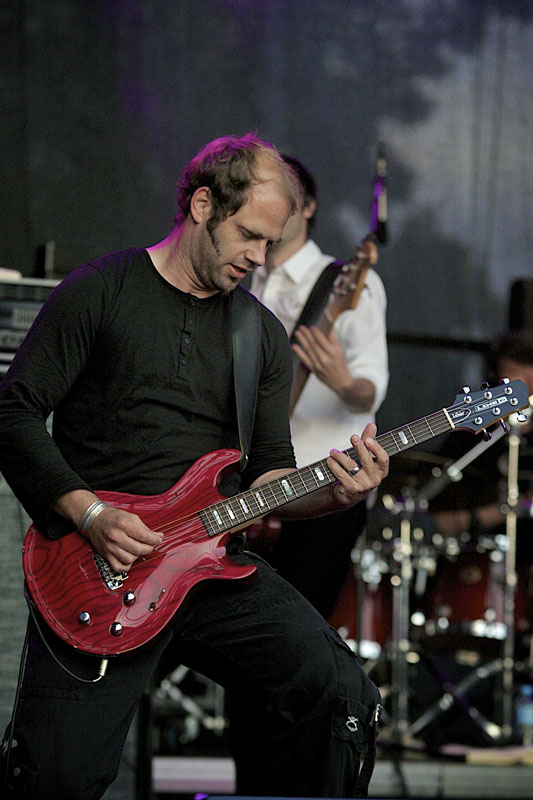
(121, 538)
(323, 355)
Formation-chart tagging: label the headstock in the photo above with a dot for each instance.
(347, 280)
(476, 411)
(350, 281)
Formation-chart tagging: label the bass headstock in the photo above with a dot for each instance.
(348, 279)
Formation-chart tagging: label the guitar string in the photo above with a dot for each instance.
(297, 480)
(420, 430)
(386, 440)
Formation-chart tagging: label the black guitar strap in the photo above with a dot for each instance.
(246, 333)
(246, 340)
(318, 298)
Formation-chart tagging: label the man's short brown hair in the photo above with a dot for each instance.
(228, 166)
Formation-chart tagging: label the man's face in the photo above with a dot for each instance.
(294, 236)
(240, 242)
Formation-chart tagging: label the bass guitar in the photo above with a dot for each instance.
(102, 612)
(344, 295)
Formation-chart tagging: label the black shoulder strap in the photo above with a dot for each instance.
(246, 339)
(318, 298)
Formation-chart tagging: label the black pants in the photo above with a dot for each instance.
(314, 555)
(302, 706)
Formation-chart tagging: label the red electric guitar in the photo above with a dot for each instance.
(102, 612)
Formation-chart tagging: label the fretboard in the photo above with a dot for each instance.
(253, 503)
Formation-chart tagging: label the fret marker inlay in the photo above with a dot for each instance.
(287, 488)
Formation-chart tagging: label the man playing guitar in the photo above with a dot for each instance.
(133, 354)
(347, 381)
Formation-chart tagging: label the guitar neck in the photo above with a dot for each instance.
(253, 503)
(300, 371)
(324, 323)
(345, 295)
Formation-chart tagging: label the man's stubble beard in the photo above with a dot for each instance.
(208, 269)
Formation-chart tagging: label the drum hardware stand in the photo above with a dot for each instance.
(145, 723)
(372, 658)
(400, 643)
(401, 590)
(457, 693)
(197, 716)
(400, 625)
(506, 665)
(510, 581)
(359, 603)
(453, 473)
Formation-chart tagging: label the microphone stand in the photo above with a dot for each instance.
(510, 582)
(453, 473)
(400, 631)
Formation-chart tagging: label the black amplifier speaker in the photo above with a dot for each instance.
(20, 302)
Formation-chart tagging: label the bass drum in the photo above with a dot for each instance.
(466, 599)
(370, 605)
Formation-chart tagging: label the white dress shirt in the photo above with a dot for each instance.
(321, 420)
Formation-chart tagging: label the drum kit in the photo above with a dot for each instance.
(443, 624)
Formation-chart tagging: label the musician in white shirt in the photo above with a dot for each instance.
(346, 386)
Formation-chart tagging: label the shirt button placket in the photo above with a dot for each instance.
(187, 334)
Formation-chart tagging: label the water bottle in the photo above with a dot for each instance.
(524, 714)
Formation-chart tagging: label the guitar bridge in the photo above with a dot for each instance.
(113, 580)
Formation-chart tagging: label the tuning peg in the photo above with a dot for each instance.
(504, 426)
(487, 435)
(521, 418)
(505, 380)
(466, 389)
(485, 385)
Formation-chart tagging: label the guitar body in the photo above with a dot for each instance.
(64, 580)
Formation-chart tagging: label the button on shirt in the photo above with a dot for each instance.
(321, 420)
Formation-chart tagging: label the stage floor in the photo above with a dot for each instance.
(410, 777)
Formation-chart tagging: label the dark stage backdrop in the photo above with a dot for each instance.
(105, 101)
